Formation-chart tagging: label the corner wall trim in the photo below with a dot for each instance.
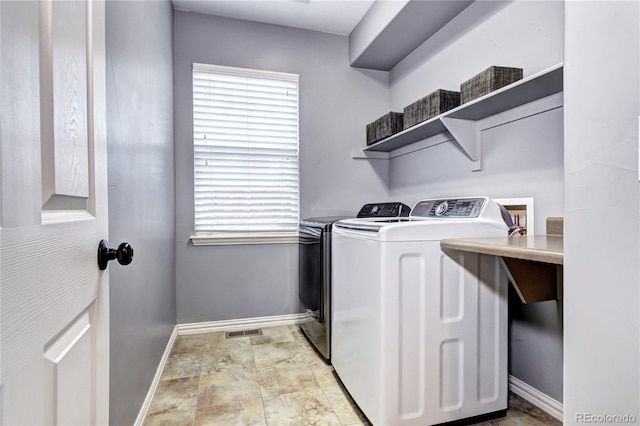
(156, 380)
(535, 397)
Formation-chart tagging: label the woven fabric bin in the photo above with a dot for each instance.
(487, 81)
(384, 127)
(433, 104)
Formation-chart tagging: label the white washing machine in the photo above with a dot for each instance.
(420, 335)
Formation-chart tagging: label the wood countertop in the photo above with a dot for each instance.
(534, 263)
(536, 248)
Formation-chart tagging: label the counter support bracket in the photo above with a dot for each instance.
(534, 281)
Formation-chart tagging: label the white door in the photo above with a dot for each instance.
(53, 213)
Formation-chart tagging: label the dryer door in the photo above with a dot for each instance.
(310, 275)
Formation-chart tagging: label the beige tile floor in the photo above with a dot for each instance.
(273, 379)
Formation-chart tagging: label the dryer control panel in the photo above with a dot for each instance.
(449, 208)
(384, 210)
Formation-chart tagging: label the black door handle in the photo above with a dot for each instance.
(124, 254)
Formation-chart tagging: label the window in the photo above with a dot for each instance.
(245, 139)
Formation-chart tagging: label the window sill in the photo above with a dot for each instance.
(223, 239)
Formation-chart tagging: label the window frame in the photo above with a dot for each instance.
(229, 237)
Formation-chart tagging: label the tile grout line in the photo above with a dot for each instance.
(264, 410)
(332, 406)
(303, 343)
(195, 412)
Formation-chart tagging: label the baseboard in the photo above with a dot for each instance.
(156, 379)
(535, 397)
(239, 324)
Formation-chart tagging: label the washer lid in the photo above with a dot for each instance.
(421, 229)
(457, 218)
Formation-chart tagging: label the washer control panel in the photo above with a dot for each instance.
(449, 208)
(384, 210)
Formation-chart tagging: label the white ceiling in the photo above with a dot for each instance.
(329, 16)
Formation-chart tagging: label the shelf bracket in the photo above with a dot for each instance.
(467, 136)
(534, 281)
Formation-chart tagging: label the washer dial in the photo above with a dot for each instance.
(442, 208)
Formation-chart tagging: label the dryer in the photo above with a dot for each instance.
(314, 283)
(420, 335)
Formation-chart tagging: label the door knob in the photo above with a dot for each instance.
(124, 254)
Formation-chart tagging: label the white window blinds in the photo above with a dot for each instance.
(245, 137)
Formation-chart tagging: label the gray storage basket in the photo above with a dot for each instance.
(384, 127)
(433, 104)
(487, 81)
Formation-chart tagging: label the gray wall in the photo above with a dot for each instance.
(227, 282)
(521, 158)
(601, 273)
(141, 196)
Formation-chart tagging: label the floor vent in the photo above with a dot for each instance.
(242, 333)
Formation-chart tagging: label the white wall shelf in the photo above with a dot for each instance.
(461, 122)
